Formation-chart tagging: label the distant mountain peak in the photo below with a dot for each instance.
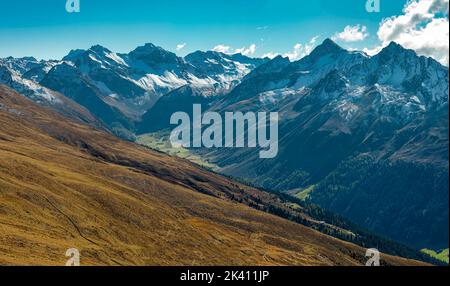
(395, 45)
(149, 45)
(214, 54)
(204, 54)
(328, 46)
(31, 59)
(239, 56)
(217, 62)
(64, 68)
(150, 49)
(276, 64)
(280, 57)
(156, 57)
(73, 54)
(147, 49)
(329, 42)
(99, 49)
(394, 49)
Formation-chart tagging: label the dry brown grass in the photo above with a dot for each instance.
(64, 185)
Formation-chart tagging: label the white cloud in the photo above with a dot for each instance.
(423, 27)
(222, 49)
(374, 51)
(301, 50)
(246, 51)
(352, 34)
(181, 46)
(271, 55)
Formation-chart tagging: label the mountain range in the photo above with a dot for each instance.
(366, 137)
(363, 136)
(119, 88)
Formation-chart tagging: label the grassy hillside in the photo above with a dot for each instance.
(65, 185)
(442, 256)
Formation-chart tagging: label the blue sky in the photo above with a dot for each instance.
(43, 28)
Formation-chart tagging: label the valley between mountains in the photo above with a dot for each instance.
(65, 184)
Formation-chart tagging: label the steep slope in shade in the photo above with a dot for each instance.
(179, 100)
(64, 185)
(67, 80)
(368, 191)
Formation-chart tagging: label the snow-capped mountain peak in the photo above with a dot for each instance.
(327, 47)
(99, 49)
(156, 58)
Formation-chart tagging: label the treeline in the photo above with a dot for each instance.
(353, 232)
(406, 201)
(362, 237)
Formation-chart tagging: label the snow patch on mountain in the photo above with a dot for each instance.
(29, 88)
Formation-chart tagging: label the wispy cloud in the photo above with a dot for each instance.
(302, 50)
(373, 51)
(222, 49)
(352, 34)
(271, 55)
(181, 46)
(246, 51)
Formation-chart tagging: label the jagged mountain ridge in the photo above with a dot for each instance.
(145, 74)
(338, 106)
(344, 97)
(119, 88)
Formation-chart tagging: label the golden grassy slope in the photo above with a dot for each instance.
(64, 185)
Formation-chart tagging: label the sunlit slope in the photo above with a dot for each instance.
(65, 185)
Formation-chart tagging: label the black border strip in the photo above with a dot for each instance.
(277, 275)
